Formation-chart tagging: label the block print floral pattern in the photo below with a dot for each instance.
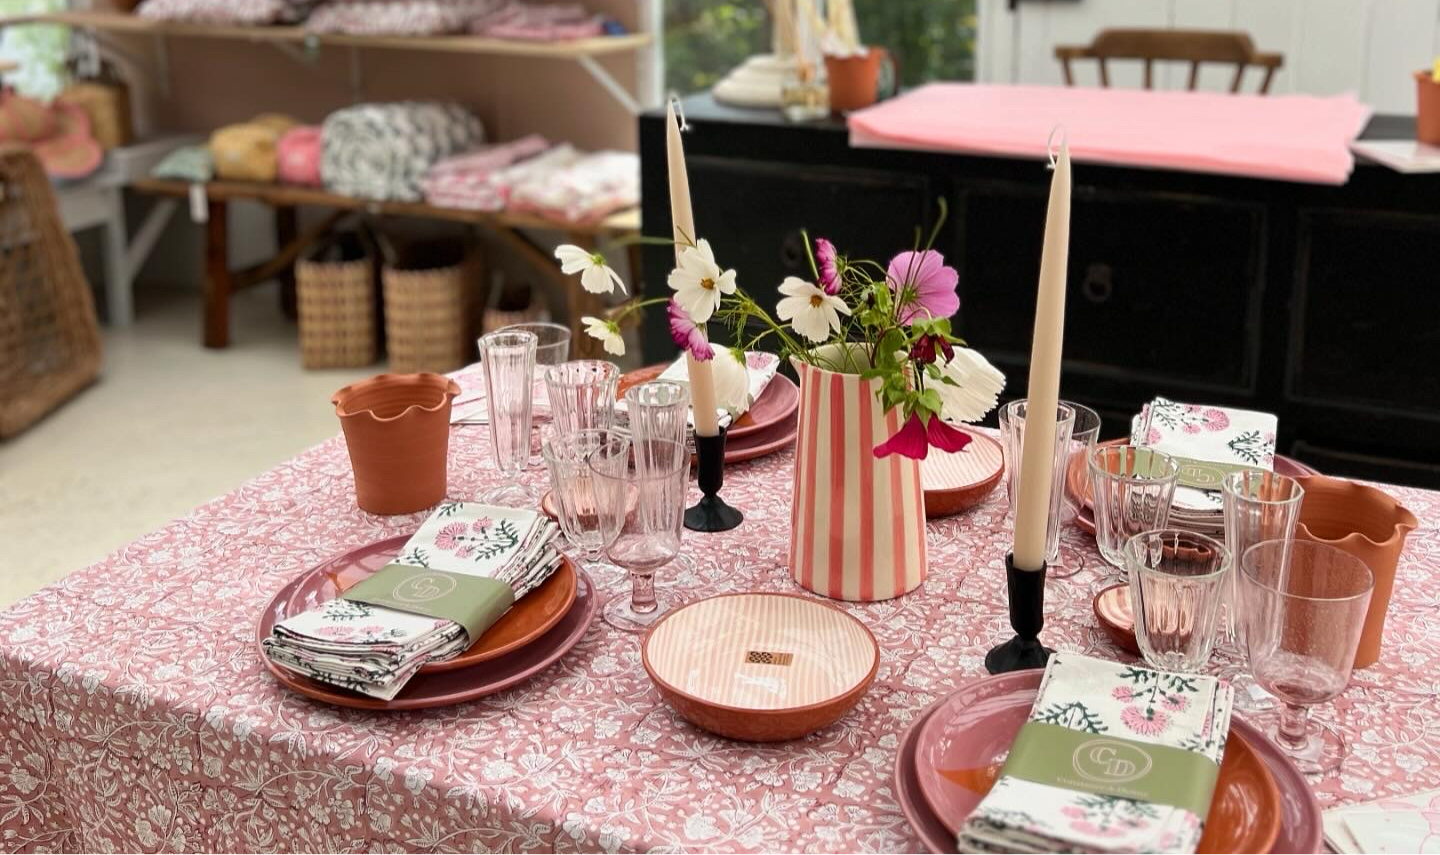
(1096, 696)
(1212, 434)
(137, 714)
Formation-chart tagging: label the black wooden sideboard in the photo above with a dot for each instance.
(1320, 304)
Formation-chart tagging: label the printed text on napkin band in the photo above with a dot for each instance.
(1113, 766)
(474, 602)
(1206, 474)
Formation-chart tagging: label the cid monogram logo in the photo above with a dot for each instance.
(423, 588)
(1108, 761)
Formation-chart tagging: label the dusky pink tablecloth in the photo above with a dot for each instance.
(137, 716)
(1286, 137)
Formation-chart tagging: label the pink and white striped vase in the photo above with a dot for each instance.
(858, 521)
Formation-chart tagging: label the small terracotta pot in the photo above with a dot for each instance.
(397, 428)
(1427, 108)
(854, 80)
(1369, 525)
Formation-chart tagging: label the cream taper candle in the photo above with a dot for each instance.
(702, 384)
(1037, 455)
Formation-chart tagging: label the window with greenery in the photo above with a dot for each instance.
(930, 39)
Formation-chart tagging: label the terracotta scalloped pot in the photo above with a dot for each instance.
(1368, 524)
(1427, 108)
(397, 429)
(761, 666)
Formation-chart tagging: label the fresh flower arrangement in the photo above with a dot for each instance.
(890, 324)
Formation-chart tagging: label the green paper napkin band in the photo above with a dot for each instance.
(1206, 474)
(1113, 766)
(474, 602)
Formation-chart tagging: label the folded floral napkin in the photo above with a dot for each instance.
(374, 649)
(1222, 435)
(1109, 728)
(1391, 824)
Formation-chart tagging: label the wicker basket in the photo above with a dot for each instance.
(49, 340)
(107, 103)
(335, 290)
(431, 301)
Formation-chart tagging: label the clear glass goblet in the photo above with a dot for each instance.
(574, 492)
(507, 360)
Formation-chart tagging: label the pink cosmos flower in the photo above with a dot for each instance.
(1216, 419)
(829, 261)
(1123, 694)
(924, 285)
(448, 537)
(915, 437)
(1139, 722)
(687, 335)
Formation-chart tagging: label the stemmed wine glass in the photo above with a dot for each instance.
(574, 492)
(640, 496)
(1304, 607)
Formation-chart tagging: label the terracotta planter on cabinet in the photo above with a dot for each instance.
(397, 428)
(1427, 108)
(855, 80)
(1368, 524)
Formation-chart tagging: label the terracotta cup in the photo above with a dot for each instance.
(855, 80)
(1366, 523)
(1427, 108)
(397, 428)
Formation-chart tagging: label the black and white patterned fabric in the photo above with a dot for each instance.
(383, 151)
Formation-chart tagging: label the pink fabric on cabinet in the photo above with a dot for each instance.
(469, 180)
(298, 153)
(136, 715)
(1285, 137)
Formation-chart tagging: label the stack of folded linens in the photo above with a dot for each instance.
(469, 181)
(384, 151)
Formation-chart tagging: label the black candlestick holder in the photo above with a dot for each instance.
(711, 513)
(1027, 615)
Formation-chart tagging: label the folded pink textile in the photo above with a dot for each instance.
(538, 22)
(298, 156)
(468, 180)
(1285, 137)
(592, 187)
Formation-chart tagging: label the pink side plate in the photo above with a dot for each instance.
(448, 687)
(777, 437)
(1299, 826)
(1116, 617)
(780, 400)
(959, 481)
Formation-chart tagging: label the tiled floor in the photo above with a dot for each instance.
(170, 425)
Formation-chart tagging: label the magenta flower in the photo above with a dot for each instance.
(829, 261)
(927, 347)
(924, 286)
(915, 437)
(687, 335)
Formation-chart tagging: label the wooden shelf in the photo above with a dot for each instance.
(120, 22)
(285, 195)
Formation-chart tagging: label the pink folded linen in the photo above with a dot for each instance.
(538, 22)
(591, 188)
(1285, 137)
(469, 180)
(298, 156)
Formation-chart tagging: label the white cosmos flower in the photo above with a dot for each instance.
(732, 382)
(698, 282)
(608, 332)
(595, 275)
(813, 313)
(980, 385)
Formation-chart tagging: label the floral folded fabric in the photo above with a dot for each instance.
(1210, 434)
(376, 650)
(384, 151)
(1185, 712)
(467, 180)
(226, 11)
(298, 156)
(398, 17)
(538, 22)
(593, 187)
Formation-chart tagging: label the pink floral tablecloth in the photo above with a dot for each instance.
(138, 716)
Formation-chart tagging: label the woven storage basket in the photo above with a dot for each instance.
(336, 296)
(49, 340)
(107, 103)
(430, 309)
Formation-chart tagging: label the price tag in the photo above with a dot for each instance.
(199, 205)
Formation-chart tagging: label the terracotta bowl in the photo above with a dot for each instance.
(761, 667)
(960, 481)
(1117, 618)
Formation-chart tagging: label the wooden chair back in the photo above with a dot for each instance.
(1193, 46)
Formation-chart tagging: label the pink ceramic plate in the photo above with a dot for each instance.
(1260, 793)
(1086, 517)
(449, 687)
(777, 437)
(761, 667)
(1117, 618)
(779, 401)
(959, 481)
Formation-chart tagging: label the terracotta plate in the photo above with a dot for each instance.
(959, 481)
(761, 667)
(1075, 479)
(962, 746)
(774, 438)
(1300, 822)
(450, 687)
(1112, 609)
(526, 621)
(779, 401)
